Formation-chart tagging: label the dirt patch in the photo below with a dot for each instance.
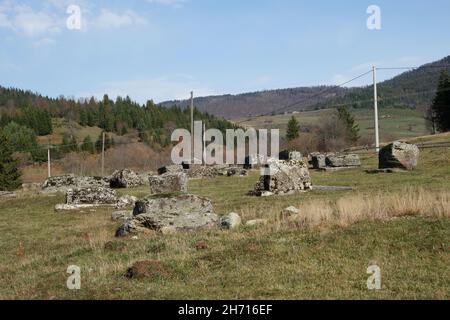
(148, 269)
(201, 245)
(115, 246)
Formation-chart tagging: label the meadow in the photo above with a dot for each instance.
(395, 123)
(398, 221)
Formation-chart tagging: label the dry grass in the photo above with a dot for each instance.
(418, 202)
(355, 208)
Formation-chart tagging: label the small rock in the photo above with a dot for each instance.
(121, 215)
(201, 245)
(230, 221)
(168, 230)
(71, 207)
(126, 201)
(266, 194)
(236, 171)
(290, 211)
(7, 194)
(256, 222)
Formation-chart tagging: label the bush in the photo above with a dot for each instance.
(9, 171)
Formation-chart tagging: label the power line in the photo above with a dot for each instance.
(412, 68)
(311, 97)
(341, 85)
(381, 99)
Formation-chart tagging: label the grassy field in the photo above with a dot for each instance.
(395, 123)
(326, 259)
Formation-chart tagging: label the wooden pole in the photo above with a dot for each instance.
(103, 154)
(49, 163)
(192, 127)
(375, 102)
(204, 144)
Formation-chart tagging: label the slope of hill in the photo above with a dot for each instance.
(153, 123)
(413, 89)
(395, 123)
(263, 102)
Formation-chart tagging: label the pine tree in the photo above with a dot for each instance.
(88, 145)
(293, 130)
(352, 129)
(74, 144)
(440, 109)
(9, 171)
(21, 138)
(65, 145)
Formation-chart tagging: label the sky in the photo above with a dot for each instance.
(163, 49)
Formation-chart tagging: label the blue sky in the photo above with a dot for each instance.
(163, 49)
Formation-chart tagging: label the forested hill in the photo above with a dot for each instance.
(413, 89)
(262, 102)
(153, 123)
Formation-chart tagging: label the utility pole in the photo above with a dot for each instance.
(48, 162)
(204, 144)
(192, 128)
(375, 101)
(103, 154)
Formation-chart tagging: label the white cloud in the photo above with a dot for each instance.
(50, 19)
(34, 23)
(171, 3)
(159, 89)
(108, 19)
(24, 20)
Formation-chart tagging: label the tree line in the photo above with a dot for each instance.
(30, 115)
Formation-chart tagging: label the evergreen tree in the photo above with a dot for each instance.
(88, 145)
(21, 138)
(440, 108)
(74, 144)
(352, 129)
(65, 145)
(109, 142)
(293, 129)
(83, 117)
(9, 171)
(69, 144)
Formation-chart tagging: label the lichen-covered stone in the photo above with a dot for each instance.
(281, 177)
(318, 160)
(63, 183)
(180, 213)
(348, 160)
(126, 178)
(399, 155)
(171, 169)
(230, 221)
(91, 195)
(168, 183)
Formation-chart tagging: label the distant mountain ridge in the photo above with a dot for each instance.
(413, 89)
(261, 102)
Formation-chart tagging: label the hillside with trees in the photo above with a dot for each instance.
(25, 115)
(413, 89)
